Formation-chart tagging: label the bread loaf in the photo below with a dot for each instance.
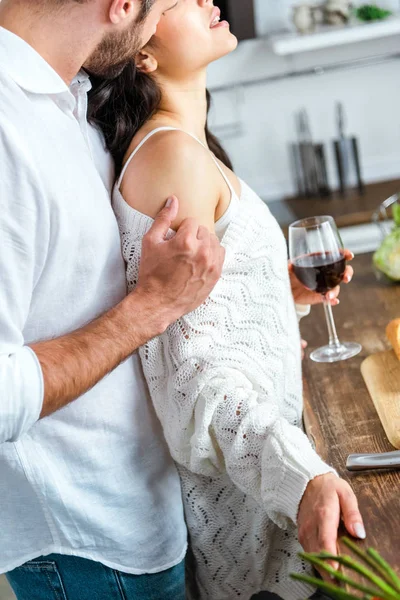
(393, 335)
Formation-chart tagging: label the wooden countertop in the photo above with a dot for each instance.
(353, 209)
(339, 414)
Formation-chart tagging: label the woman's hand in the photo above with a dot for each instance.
(302, 295)
(326, 500)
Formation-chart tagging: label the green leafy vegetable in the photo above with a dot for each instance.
(387, 257)
(379, 581)
(396, 213)
(372, 12)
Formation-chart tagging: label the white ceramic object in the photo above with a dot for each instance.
(303, 18)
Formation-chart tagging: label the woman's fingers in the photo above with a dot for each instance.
(348, 255)
(350, 513)
(328, 531)
(319, 516)
(348, 274)
(333, 296)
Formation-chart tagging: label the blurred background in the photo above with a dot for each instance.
(304, 77)
(308, 108)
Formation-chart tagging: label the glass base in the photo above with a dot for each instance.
(330, 354)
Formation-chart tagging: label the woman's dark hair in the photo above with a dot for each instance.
(121, 106)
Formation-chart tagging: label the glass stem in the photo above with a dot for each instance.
(333, 337)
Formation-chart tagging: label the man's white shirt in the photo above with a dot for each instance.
(94, 479)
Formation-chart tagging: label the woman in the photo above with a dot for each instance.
(226, 379)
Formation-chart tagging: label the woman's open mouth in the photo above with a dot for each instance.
(216, 20)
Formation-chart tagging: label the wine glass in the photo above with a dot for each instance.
(316, 251)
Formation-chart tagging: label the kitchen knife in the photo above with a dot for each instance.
(307, 153)
(347, 154)
(366, 462)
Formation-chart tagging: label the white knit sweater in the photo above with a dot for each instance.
(226, 384)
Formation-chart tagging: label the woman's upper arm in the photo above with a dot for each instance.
(172, 163)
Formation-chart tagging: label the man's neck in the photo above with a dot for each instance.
(184, 104)
(60, 37)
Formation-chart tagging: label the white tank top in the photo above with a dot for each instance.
(222, 224)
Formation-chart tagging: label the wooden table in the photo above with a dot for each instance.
(339, 414)
(353, 209)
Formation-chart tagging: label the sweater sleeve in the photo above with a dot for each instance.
(23, 243)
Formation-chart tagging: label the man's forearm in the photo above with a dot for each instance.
(74, 363)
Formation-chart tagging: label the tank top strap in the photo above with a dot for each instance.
(136, 150)
(157, 130)
(220, 169)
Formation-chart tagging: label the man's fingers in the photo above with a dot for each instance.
(188, 230)
(351, 514)
(163, 221)
(218, 251)
(203, 234)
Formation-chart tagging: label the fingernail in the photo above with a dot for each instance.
(169, 202)
(359, 531)
(331, 295)
(337, 301)
(352, 255)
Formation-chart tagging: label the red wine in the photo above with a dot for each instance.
(319, 272)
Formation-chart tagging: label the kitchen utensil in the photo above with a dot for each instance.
(298, 169)
(381, 373)
(307, 154)
(311, 169)
(366, 462)
(322, 171)
(347, 154)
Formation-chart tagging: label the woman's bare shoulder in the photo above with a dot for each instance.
(173, 163)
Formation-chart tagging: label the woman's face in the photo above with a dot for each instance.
(189, 37)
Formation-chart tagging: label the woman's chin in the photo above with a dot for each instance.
(234, 42)
(226, 46)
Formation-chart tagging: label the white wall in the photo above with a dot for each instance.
(265, 113)
(273, 15)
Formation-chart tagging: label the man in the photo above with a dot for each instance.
(95, 479)
(90, 505)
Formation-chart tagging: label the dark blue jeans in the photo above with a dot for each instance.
(57, 577)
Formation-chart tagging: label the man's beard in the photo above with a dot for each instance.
(114, 52)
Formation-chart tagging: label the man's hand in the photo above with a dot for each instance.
(175, 277)
(178, 275)
(302, 295)
(326, 499)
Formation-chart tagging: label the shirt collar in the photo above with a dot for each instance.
(26, 67)
(81, 80)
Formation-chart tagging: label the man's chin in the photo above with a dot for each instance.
(105, 72)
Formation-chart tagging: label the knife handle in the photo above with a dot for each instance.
(366, 462)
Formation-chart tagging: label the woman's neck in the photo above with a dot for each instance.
(184, 105)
